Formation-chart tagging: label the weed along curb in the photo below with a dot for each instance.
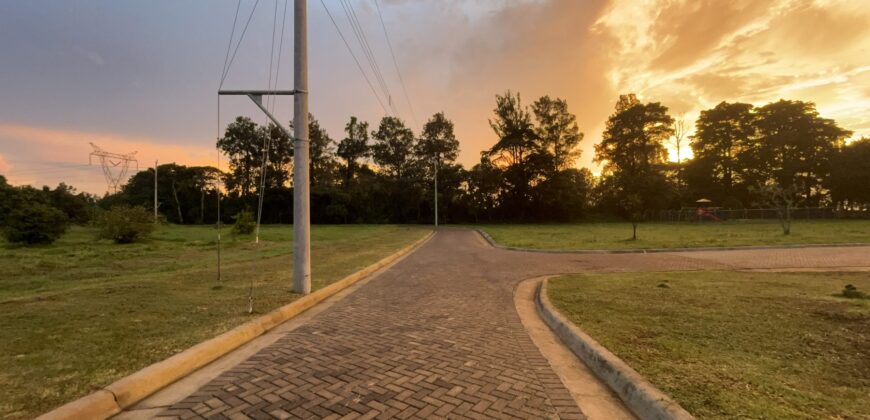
(641, 397)
(131, 389)
(495, 244)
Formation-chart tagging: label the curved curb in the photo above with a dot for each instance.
(495, 244)
(131, 389)
(641, 397)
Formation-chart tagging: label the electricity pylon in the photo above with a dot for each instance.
(114, 165)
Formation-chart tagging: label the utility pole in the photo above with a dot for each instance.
(301, 209)
(155, 191)
(436, 191)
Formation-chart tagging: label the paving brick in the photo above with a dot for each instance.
(437, 335)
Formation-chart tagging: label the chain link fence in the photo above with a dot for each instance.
(714, 214)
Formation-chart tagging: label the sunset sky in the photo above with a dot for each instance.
(142, 76)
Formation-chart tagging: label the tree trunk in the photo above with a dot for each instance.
(177, 203)
(201, 206)
(633, 230)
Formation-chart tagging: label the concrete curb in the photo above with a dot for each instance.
(659, 250)
(131, 389)
(641, 397)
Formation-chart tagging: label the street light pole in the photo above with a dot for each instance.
(436, 191)
(301, 209)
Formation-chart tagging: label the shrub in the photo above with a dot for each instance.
(34, 223)
(244, 223)
(852, 292)
(125, 224)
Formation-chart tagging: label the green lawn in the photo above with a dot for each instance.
(677, 235)
(732, 344)
(81, 313)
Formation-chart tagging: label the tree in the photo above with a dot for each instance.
(720, 144)
(782, 198)
(393, 146)
(125, 224)
(78, 206)
(632, 151)
(28, 216)
(484, 182)
(557, 133)
(241, 143)
(793, 146)
(353, 148)
(850, 175)
(321, 154)
(7, 195)
(186, 194)
(516, 153)
(514, 128)
(438, 140)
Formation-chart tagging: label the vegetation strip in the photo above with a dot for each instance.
(641, 397)
(133, 388)
(495, 244)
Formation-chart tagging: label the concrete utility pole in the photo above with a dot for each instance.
(301, 209)
(155, 191)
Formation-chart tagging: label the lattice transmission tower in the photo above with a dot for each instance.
(115, 166)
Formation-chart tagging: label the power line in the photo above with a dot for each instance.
(353, 19)
(230, 43)
(358, 65)
(241, 37)
(395, 63)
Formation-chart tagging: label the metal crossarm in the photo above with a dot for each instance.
(259, 92)
(257, 97)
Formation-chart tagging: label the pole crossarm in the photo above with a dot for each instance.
(260, 92)
(257, 97)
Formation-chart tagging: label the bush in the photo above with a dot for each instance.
(125, 224)
(34, 223)
(245, 223)
(852, 292)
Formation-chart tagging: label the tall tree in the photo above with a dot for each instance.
(438, 140)
(241, 143)
(393, 147)
(353, 148)
(516, 152)
(248, 146)
(721, 139)
(794, 146)
(850, 176)
(557, 132)
(633, 153)
(514, 128)
(321, 154)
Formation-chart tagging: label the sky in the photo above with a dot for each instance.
(135, 76)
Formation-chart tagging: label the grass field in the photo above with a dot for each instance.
(677, 235)
(732, 344)
(82, 313)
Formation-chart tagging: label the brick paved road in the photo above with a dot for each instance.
(437, 335)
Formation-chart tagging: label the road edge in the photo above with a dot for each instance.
(129, 390)
(641, 397)
(489, 239)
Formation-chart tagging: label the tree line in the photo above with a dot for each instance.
(743, 156)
